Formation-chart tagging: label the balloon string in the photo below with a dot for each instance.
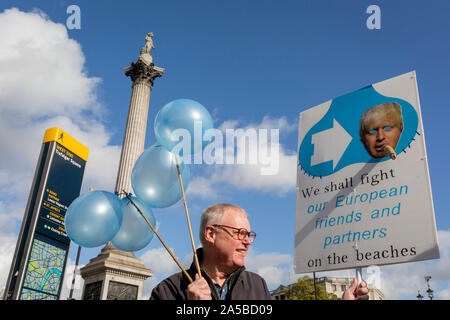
(165, 246)
(188, 220)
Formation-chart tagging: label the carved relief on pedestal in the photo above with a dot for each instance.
(122, 291)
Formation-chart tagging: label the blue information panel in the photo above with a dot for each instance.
(62, 187)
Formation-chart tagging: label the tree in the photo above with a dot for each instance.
(303, 289)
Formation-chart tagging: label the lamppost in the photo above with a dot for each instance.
(429, 291)
(419, 296)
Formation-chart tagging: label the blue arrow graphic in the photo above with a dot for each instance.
(346, 111)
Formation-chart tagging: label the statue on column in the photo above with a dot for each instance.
(145, 56)
(149, 42)
(143, 68)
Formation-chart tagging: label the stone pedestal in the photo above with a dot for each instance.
(114, 275)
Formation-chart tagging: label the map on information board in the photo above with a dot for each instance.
(44, 271)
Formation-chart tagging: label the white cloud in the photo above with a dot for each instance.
(202, 187)
(274, 267)
(249, 175)
(267, 122)
(162, 264)
(7, 246)
(159, 261)
(254, 260)
(163, 268)
(402, 281)
(44, 84)
(42, 69)
(441, 294)
(68, 279)
(148, 286)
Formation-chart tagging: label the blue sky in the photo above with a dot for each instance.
(251, 64)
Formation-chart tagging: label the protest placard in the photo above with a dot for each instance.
(363, 187)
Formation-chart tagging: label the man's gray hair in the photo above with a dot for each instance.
(214, 215)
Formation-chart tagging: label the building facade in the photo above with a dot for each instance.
(330, 285)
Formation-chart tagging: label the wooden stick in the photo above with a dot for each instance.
(188, 221)
(153, 229)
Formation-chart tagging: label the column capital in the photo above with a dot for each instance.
(141, 71)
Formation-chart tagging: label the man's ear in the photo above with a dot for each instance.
(210, 234)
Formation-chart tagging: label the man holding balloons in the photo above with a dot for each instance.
(226, 237)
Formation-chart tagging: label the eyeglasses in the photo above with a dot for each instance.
(239, 233)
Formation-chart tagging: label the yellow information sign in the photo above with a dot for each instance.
(66, 140)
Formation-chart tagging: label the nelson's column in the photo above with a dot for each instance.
(116, 274)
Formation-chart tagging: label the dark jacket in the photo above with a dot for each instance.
(243, 285)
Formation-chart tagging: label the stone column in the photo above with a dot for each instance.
(142, 73)
(115, 274)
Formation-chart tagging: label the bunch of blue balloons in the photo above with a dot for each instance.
(97, 217)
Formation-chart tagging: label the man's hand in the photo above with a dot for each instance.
(356, 293)
(199, 289)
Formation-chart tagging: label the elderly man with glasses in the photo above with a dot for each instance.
(226, 237)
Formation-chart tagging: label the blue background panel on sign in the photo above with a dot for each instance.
(347, 111)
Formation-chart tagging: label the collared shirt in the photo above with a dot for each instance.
(223, 291)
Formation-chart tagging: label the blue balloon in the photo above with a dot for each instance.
(155, 177)
(180, 126)
(93, 218)
(134, 234)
